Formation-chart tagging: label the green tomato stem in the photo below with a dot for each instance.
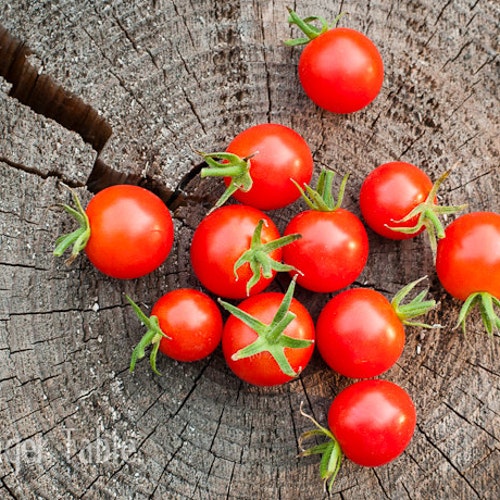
(152, 337)
(427, 215)
(486, 303)
(259, 258)
(224, 164)
(415, 308)
(308, 28)
(321, 198)
(270, 338)
(330, 450)
(77, 239)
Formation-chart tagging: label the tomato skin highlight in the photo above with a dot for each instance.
(373, 421)
(341, 70)
(131, 231)
(279, 154)
(261, 369)
(193, 322)
(332, 252)
(218, 242)
(389, 193)
(359, 335)
(468, 257)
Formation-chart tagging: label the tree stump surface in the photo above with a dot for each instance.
(171, 77)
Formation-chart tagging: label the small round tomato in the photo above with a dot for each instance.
(185, 325)
(126, 231)
(192, 323)
(340, 69)
(221, 239)
(389, 193)
(268, 356)
(267, 158)
(359, 334)
(332, 252)
(468, 257)
(373, 421)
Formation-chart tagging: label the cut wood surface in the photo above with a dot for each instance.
(169, 77)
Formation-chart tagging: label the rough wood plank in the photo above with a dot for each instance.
(173, 76)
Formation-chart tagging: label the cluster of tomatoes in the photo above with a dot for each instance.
(237, 251)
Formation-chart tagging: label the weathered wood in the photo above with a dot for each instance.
(172, 77)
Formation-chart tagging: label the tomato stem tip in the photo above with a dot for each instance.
(258, 256)
(418, 306)
(330, 450)
(427, 214)
(152, 337)
(78, 238)
(487, 304)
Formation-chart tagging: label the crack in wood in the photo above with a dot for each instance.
(47, 98)
(44, 96)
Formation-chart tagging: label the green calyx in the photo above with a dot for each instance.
(427, 214)
(78, 238)
(152, 337)
(321, 198)
(308, 27)
(418, 306)
(486, 303)
(330, 451)
(270, 338)
(259, 258)
(224, 164)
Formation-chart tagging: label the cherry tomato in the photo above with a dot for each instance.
(332, 252)
(192, 323)
(294, 343)
(220, 240)
(340, 69)
(373, 421)
(126, 231)
(359, 334)
(389, 193)
(185, 325)
(468, 257)
(272, 155)
(131, 231)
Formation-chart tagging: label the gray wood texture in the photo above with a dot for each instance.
(170, 77)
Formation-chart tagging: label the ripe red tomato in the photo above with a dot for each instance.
(262, 368)
(220, 240)
(389, 193)
(126, 231)
(359, 334)
(468, 257)
(373, 421)
(185, 325)
(332, 252)
(192, 323)
(340, 69)
(276, 154)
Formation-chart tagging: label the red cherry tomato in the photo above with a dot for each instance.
(332, 252)
(389, 193)
(341, 70)
(277, 155)
(131, 231)
(373, 421)
(359, 334)
(262, 368)
(468, 257)
(192, 323)
(220, 240)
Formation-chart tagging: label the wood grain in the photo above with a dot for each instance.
(168, 78)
